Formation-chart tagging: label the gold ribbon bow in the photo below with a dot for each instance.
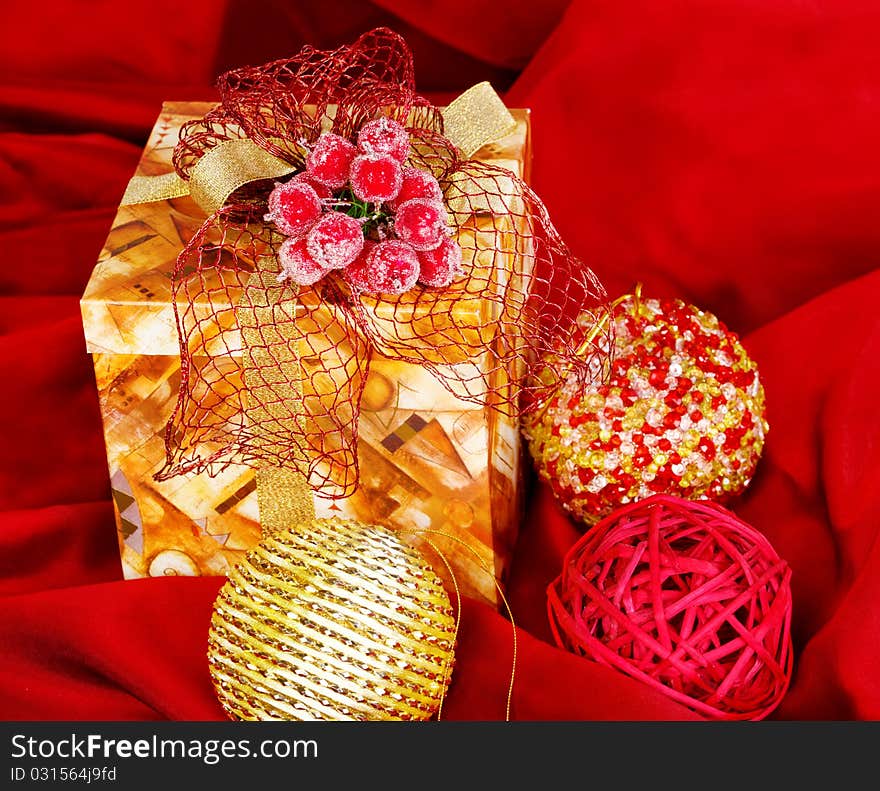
(476, 117)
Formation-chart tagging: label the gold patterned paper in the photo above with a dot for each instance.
(428, 459)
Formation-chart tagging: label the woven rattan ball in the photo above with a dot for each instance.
(682, 596)
(332, 620)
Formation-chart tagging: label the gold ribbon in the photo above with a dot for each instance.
(475, 118)
(147, 189)
(272, 377)
(231, 165)
(220, 172)
(470, 121)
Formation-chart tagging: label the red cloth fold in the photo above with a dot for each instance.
(720, 150)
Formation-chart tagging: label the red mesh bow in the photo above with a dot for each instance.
(474, 336)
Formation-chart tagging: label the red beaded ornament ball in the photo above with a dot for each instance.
(681, 413)
(684, 597)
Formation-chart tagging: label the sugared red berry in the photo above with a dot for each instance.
(356, 272)
(335, 240)
(417, 183)
(293, 207)
(375, 177)
(384, 136)
(392, 267)
(440, 266)
(297, 264)
(330, 160)
(322, 190)
(421, 222)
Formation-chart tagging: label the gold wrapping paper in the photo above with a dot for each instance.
(428, 459)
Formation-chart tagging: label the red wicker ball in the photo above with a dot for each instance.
(685, 597)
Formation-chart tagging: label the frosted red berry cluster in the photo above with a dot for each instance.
(360, 209)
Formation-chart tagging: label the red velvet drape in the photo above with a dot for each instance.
(720, 150)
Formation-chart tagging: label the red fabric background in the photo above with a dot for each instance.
(721, 150)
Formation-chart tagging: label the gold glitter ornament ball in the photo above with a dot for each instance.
(682, 413)
(332, 620)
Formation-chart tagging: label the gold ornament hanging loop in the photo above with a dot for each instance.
(585, 345)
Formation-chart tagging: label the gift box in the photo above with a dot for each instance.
(428, 459)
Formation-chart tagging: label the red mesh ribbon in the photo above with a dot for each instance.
(476, 337)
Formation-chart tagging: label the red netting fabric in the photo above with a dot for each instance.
(242, 399)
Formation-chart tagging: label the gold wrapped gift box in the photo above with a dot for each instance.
(428, 460)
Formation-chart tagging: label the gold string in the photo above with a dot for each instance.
(447, 665)
(469, 548)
